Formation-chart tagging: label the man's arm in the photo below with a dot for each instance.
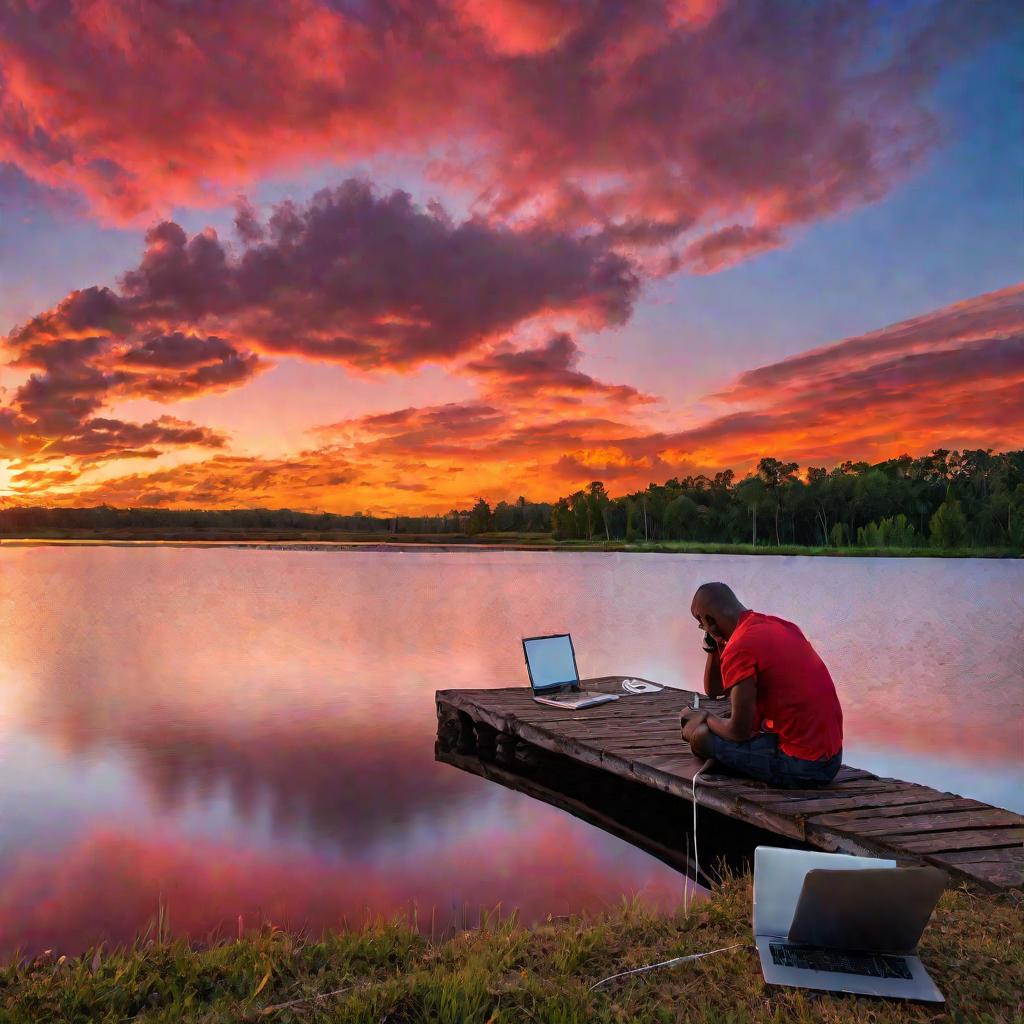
(713, 674)
(742, 721)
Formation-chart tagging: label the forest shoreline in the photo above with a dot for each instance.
(485, 542)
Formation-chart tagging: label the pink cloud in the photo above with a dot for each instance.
(730, 245)
(352, 277)
(648, 121)
(991, 316)
(548, 369)
(373, 280)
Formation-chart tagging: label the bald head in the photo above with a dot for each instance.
(717, 609)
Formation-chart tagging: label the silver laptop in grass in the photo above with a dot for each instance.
(843, 924)
(551, 665)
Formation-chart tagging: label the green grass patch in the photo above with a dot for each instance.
(503, 972)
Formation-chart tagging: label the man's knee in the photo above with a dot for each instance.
(700, 741)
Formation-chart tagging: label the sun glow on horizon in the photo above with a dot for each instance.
(504, 262)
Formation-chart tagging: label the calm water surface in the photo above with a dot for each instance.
(251, 732)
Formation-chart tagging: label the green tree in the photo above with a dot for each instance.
(563, 523)
(682, 515)
(776, 476)
(598, 501)
(1015, 518)
(949, 525)
(752, 493)
(479, 517)
(504, 517)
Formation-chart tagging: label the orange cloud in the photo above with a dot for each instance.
(78, 371)
(351, 277)
(647, 121)
(540, 426)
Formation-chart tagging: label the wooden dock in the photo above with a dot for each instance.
(637, 738)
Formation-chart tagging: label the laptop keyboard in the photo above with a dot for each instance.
(814, 958)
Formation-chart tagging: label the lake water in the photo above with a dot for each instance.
(251, 733)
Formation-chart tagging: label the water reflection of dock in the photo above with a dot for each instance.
(624, 767)
(650, 819)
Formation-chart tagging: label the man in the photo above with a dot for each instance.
(786, 725)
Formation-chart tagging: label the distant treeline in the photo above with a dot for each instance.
(948, 499)
(523, 516)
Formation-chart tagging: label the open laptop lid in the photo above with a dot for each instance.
(550, 661)
(880, 910)
(779, 877)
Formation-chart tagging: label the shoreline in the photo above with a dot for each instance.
(504, 971)
(489, 545)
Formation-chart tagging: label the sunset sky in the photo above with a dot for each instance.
(390, 255)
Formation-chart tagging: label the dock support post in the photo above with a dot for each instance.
(455, 730)
(486, 741)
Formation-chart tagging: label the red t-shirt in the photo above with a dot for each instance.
(796, 698)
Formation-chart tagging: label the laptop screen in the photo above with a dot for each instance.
(550, 661)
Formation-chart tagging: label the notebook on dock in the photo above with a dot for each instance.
(840, 923)
(551, 664)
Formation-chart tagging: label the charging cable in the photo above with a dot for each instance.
(696, 858)
(668, 963)
(686, 889)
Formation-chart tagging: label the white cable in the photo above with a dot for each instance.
(686, 889)
(696, 858)
(667, 963)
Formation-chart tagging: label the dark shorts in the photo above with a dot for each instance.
(760, 758)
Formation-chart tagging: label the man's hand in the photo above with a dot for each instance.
(689, 720)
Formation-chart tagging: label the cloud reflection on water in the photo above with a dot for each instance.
(252, 732)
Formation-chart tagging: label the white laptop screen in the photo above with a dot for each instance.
(550, 661)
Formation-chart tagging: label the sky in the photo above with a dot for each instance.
(392, 255)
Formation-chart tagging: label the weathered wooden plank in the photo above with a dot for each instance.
(615, 710)
(996, 876)
(921, 824)
(939, 842)
(864, 800)
(668, 762)
(520, 699)
(1001, 868)
(559, 720)
(860, 785)
(669, 744)
(838, 819)
(599, 733)
(777, 796)
(1001, 855)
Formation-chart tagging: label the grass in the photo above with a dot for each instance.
(538, 541)
(503, 972)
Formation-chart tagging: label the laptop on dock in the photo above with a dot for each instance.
(840, 923)
(551, 664)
